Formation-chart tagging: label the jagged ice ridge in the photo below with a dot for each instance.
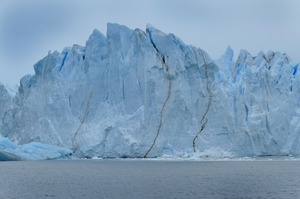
(135, 93)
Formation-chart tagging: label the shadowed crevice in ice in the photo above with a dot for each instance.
(161, 114)
(82, 121)
(204, 118)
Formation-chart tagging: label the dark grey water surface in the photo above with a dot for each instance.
(115, 179)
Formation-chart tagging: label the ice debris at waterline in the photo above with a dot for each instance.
(31, 151)
(135, 93)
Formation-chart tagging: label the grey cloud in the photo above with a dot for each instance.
(26, 26)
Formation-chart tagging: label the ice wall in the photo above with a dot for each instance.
(135, 93)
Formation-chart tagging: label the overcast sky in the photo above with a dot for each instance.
(29, 29)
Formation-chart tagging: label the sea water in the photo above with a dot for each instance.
(145, 179)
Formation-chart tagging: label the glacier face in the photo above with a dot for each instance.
(146, 94)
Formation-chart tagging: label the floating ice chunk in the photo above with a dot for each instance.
(39, 151)
(31, 151)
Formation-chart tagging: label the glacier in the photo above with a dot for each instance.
(144, 94)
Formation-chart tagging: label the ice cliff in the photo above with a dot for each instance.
(135, 93)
